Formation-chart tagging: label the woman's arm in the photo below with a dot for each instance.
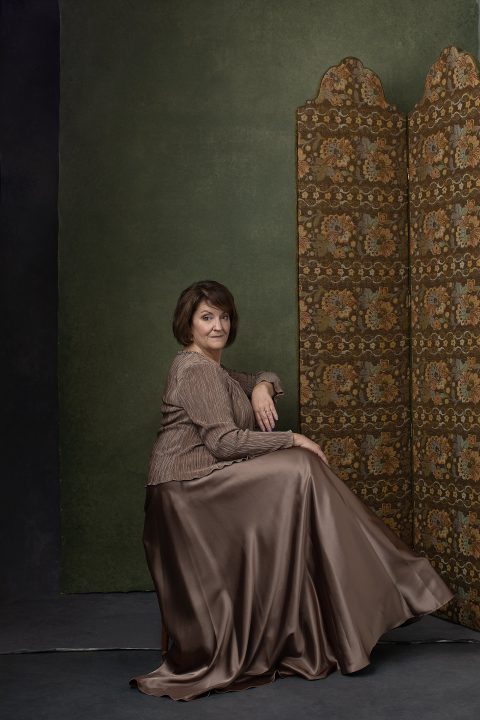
(204, 395)
(249, 380)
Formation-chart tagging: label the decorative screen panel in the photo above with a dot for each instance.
(374, 373)
(444, 169)
(353, 288)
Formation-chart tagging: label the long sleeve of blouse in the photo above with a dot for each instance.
(208, 420)
(247, 381)
(206, 399)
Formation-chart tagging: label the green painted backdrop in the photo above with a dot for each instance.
(177, 163)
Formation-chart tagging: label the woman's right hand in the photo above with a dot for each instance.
(304, 442)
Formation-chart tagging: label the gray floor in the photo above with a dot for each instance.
(423, 680)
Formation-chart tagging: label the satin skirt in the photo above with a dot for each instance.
(273, 567)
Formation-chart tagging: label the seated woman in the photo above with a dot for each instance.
(264, 562)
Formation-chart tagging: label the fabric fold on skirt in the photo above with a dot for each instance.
(274, 567)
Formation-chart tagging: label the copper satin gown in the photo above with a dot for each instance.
(274, 567)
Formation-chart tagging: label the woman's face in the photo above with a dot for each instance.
(210, 329)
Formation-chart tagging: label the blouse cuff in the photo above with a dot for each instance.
(290, 439)
(272, 378)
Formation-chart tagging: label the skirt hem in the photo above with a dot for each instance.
(275, 674)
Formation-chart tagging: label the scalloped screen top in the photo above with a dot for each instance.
(454, 70)
(350, 83)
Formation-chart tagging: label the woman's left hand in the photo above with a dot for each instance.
(263, 406)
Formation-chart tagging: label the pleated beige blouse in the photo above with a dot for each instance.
(208, 420)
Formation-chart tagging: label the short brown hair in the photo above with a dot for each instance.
(213, 292)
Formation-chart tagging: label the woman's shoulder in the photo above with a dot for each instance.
(190, 363)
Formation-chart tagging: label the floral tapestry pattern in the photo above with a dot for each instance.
(353, 288)
(390, 387)
(444, 171)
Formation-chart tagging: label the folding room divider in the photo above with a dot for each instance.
(389, 305)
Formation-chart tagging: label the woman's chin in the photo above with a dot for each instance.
(217, 344)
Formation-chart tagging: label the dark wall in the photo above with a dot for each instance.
(177, 148)
(29, 522)
(201, 88)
